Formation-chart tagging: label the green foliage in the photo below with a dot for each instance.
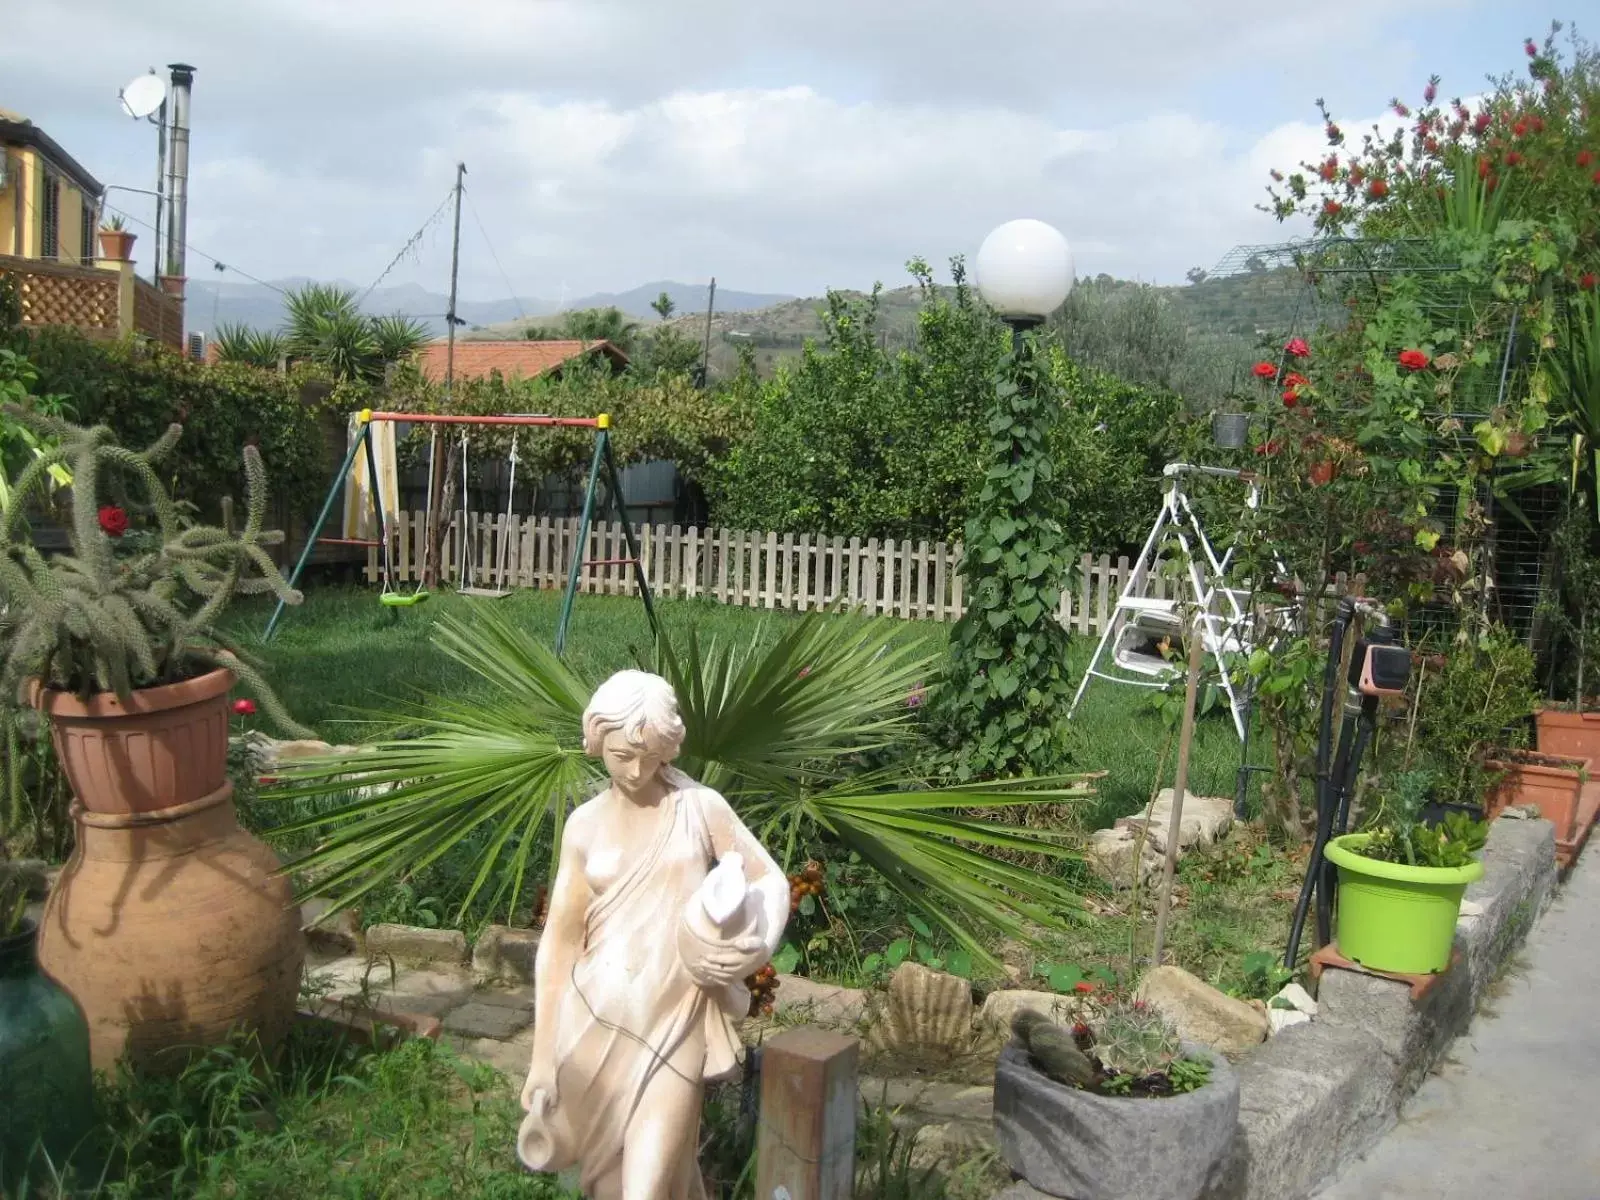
(237, 343)
(780, 730)
(1003, 708)
(1454, 842)
(13, 900)
(99, 621)
(1264, 975)
(325, 325)
(590, 325)
(398, 337)
(1189, 1075)
(1070, 977)
(1479, 701)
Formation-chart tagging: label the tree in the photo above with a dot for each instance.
(1197, 275)
(591, 325)
(664, 306)
(325, 325)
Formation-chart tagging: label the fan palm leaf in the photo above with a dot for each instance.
(785, 732)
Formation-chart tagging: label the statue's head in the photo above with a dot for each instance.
(632, 725)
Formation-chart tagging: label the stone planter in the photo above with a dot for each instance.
(1081, 1146)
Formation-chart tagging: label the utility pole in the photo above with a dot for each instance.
(705, 353)
(431, 573)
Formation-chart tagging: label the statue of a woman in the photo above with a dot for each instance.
(663, 903)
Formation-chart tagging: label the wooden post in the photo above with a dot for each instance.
(805, 1147)
(1180, 784)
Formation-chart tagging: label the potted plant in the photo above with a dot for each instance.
(1549, 782)
(46, 1083)
(1400, 887)
(169, 925)
(1122, 1108)
(1567, 729)
(116, 243)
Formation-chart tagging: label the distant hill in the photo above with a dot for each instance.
(211, 303)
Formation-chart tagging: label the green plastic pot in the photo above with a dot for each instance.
(46, 1084)
(1394, 917)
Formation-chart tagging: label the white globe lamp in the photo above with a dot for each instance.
(1024, 270)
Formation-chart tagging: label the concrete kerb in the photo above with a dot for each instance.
(1318, 1095)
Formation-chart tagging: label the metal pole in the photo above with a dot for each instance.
(430, 564)
(615, 479)
(161, 183)
(705, 353)
(178, 168)
(322, 518)
(1179, 787)
(582, 542)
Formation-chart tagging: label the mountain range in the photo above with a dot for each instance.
(260, 305)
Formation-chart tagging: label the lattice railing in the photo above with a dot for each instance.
(157, 315)
(57, 294)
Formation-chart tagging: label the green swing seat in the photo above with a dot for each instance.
(397, 600)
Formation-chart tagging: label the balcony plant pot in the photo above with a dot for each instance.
(46, 1083)
(1395, 917)
(165, 748)
(116, 245)
(1072, 1143)
(1552, 783)
(1569, 734)
(172, 929)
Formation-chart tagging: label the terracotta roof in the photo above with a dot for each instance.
(514, 360)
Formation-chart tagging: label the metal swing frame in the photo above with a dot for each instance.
(603, 462)
(1222, 611)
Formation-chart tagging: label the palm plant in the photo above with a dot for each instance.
(326, 326)
(786, 733)
(1576, 367)
(238, 343)
(398, 337)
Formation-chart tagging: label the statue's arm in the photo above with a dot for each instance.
(559, 946)
(729, 833)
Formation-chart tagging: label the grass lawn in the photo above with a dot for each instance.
(341, 655)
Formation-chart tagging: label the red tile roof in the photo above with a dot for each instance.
(523, 360)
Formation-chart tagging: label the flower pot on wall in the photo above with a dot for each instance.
(1552, 783)
(167, 747)
(116, 245)
(1395, 917)
(1569, 734)
(1068, 1142)
(46, 1084)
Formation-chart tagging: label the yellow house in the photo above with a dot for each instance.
(49, 210)
(48, 202)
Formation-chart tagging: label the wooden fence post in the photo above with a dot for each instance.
(805, 1147)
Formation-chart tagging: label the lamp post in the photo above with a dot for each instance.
(1024, 272)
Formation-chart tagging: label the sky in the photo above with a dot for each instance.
(780, 148)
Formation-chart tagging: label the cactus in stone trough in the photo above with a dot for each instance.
(1134, 1039)
(1053, 1050)
(113, 619)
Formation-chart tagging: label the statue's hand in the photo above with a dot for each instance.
(540, 1090)
(729, 962)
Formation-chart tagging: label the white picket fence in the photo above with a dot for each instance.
(914, 580)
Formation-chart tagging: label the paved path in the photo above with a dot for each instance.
(1515, 1110)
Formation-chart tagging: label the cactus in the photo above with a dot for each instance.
(1134, 1039)
(97, 620)
(1052, 1049)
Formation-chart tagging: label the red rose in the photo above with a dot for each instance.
(1584, 158)
(1413, 360)
(1587, 282)
(244, 708)
(113, 521)
(1296, 380)
(1291, 398)
(1267, 449)
(1264, 370)
(1378, 190)
(1297, 348)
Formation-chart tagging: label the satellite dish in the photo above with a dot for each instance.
(144, 95)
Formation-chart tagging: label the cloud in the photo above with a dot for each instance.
(614, 141)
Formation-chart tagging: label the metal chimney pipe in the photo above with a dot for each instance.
(178, 168)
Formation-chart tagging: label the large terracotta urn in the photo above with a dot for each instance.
(169, 924)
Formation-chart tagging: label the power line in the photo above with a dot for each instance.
(193, 249)
(510, 291)
(411, 244)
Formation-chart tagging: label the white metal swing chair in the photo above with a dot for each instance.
(501, 568)
(1141, 624)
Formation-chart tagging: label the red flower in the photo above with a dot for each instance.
(1597, 177)
(113, 521)
(1483, 168)
(1378, 190)
(1264, 370)
(1322, 473)
(1138, 1006)
(1267, 449)
(1332, 207)
(1080, 1030)
(1329, 169)
(804, 671)
(1429, 92)
(1481, 123)
(266, 780)
(1413, 360)
(1335, 135)
(1520, 129)
(1084, 986)
(1513, 159)
(1297, 348)
(1295, 379)
(1584, 158)
(1530, 49)
(1400, 110)
(1291, 398)
(244, 708)
(1587, 282)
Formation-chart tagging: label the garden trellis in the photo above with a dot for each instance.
(603, 462)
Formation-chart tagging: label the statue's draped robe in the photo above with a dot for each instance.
(632, 1009)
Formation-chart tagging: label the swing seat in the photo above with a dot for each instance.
(396, 600)
(483, 592)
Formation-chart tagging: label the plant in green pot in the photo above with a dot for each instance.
(1402, 881)
(169, 925)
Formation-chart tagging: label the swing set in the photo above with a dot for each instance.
(393, 597)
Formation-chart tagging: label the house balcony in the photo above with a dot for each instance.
(104, 302)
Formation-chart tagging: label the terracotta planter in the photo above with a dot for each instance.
(171, 929)
(1569, 734)
(167, 747)
(117, 244)
(1552, 783)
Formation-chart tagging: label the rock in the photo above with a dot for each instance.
(949, 1144)
(1001, 1008)
(412, 944)
(1204, 820)
(1111, 853)
(502, 952)
(1067, 1142)
(1279, 1019)
(478, 1020)
(336, 934)
(1297, 998)
(1201, 1013)
(822, 1004)
(924, 1010)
